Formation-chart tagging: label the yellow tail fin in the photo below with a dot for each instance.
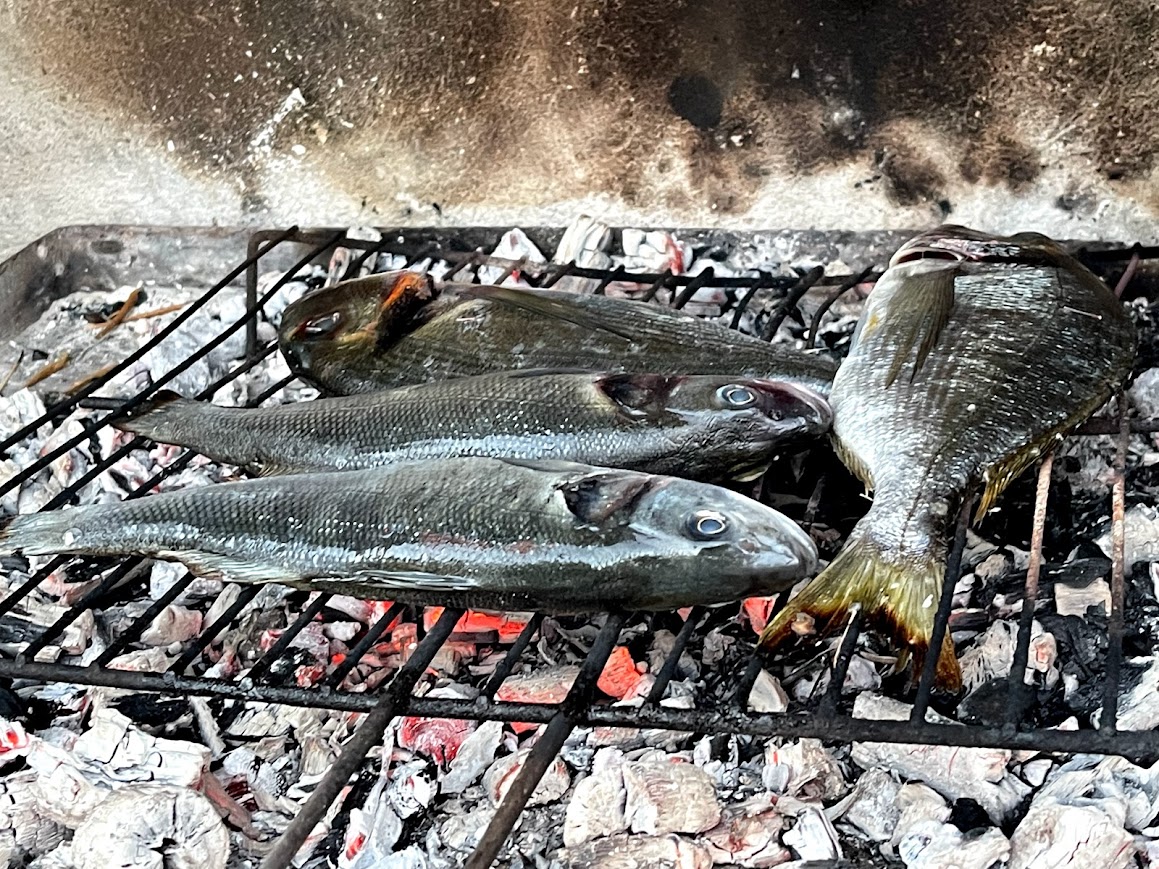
(898, 595)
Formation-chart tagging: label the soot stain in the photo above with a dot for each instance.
(909, 178)
(697, 99)
(482, 97)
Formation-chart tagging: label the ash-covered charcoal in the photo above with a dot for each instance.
(152, 827)
(502, 772)
(628, 852)
(979, 773)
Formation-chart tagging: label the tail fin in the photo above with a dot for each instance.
(37, 533)
(899, 597)
(155, 417)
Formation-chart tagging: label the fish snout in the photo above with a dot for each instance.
(793, 407)
(782, 550)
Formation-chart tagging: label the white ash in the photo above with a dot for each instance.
(1140, 536)
(615, 795)
(978, 773)
(992, 655)
(152, 826)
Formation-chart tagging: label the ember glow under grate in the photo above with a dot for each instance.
(826, 714)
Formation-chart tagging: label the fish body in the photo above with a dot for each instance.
(973, 356)
(551, 536)
(700, 427)
(396, 328)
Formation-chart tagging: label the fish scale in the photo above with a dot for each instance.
(678, 425)
(553, 536)
(1016, 353)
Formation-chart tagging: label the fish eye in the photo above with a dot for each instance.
(737, 396)
(321, 327)
(707, 524)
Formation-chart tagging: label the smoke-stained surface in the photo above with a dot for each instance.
(788, 112)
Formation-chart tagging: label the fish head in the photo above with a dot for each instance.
(698, 519)
(962, 244)
(731, 537)
(754, 417)
(352, 319)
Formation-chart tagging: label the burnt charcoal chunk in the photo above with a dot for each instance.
(151, 710)
(967, 815)
(990, 704)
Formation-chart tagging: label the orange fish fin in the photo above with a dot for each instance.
(921, 308)
(900, 599)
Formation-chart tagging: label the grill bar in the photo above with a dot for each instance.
(1108, 722)
(548, 745)
(841, 663)
(942, 619)
(668, 668)
(512, 657)
(372, 636)
(369, 733)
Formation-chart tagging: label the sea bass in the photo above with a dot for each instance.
(706, 427)
(396, 328)
(487, 533)
(974, 355)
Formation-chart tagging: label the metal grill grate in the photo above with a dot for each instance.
(826, 718)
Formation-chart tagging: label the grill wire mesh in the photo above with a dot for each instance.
(827, 718)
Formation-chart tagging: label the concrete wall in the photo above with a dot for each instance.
(830, 114)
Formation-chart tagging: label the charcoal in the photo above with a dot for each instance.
(150, 710)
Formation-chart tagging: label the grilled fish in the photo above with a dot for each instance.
(477, 532)
(973, 356)
(397, 328)
(709, 428)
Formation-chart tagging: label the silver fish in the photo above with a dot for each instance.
(707, 428)
(551, 536)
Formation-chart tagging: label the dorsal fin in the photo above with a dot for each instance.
(547, 306)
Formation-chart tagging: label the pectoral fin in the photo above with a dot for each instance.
(599, 498)
(919, 309)
(548, 307)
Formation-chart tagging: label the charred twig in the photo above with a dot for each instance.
(1107, 723)
(119, 315)
(11, 372)
(57, 363)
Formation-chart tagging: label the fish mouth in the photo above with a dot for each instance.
(788, 553)
(962, 244)
(779, 399)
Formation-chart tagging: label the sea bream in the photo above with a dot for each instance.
(974, 355)
(397, 328)
(478, 532)
(700, 427)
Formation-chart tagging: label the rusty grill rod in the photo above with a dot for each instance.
(548, 744)
(1017, 690)
(1108, 722)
